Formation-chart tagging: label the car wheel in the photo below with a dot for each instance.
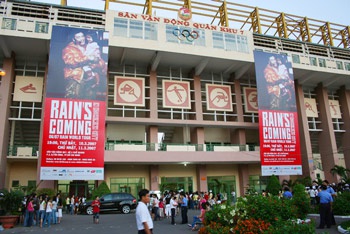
(89, 210)
(126, 209)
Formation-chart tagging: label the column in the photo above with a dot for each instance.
(202, 182)
(198, 98)
(344, 101)
(327, 143)
(238, 135)
(154, 177)
(304, 136)
(153, 105)
(152, 137)
(5, 102)
(243, 177)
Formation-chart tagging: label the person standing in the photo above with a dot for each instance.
(156, 207)
(67, 205)
(326, 201)
(184, 208)
(173, 205)
(59, 208)
(96, 210)
(143, 218)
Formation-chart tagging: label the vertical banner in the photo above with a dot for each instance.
(278, 117)
(75, 105)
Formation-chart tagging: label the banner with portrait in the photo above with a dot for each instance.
(75, 105)
(278, 117)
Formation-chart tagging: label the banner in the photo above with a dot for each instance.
(278, 117)
(75, 105)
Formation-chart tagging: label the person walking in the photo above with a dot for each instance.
(143, 217)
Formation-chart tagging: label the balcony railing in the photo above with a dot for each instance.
(23, 151)
(117, 146)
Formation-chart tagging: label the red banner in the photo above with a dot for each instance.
(75, 106)
(278, 117)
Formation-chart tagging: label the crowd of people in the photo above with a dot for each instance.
(173, 203)
(43, 210)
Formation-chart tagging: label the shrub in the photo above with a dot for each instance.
(11, 201)
(273, 186)
(341, 204)
(251, 226)
(269, 209)
(292, 227)
(301, 201)
(50, 192)
(222, 214)
(215, 228)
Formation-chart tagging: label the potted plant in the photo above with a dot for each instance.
(10, 207)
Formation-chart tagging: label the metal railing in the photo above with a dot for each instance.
(25, 151)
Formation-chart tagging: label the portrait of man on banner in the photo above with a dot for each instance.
(274, 73)
(80, 64)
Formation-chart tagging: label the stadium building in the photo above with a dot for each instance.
(181, 107)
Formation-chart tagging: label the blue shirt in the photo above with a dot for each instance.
(184, 201)
(287, 194)
(325, 197)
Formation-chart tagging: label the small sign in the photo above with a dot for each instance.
(310, 107)
(250, 100)
(176, 94)
(184, 13)
(129, 91)
(28, 89)
(219, 97)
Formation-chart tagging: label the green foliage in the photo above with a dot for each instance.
(50, 192)
(341, 204)
(273, 186)
(343, 172)
(292, 227)
(11, 202)
(101, 190)
(271, 209)
(301, 201)
(306, 181)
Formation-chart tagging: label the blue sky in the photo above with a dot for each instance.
(336, 11)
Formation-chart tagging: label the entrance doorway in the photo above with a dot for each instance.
(176, 184)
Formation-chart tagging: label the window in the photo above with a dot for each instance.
(347, 66)
(295, 58)
(322, 62)
(313, 61)
(41, 27)
(230, 42)
(121, 27)
(10, 24)
(31, 184)
(108, 197)
(218, 40)
(15, 183)
(135, 29)
(185, 35)
(340, 65)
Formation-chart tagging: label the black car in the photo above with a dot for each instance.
(123, 202)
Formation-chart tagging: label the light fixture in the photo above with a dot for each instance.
(2, 72)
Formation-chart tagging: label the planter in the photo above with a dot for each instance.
(9, 221)
(342, 230)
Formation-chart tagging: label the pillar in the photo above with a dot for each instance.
(243, 174)
(154, 177)
(202, 182)
(304, 136)
(344, 102)
(6, 88)
(327, 143)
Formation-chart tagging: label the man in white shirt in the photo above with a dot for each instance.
(143, 218)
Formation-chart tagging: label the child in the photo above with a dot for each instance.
(96, 209)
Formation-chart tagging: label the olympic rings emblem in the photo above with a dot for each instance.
(185, 34)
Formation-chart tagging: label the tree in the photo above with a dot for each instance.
(342, 172)
(101, 190)
(273, 186)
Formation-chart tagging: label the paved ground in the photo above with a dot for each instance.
(120, 223)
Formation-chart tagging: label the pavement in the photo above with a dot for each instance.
(125, 223)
